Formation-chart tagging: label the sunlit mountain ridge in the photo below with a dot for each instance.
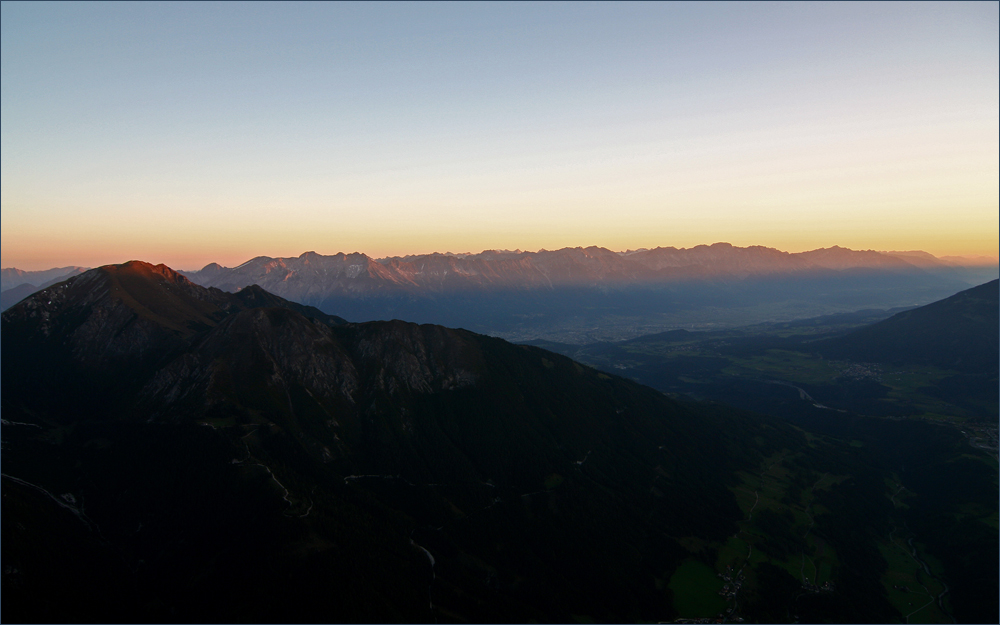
(583, 294)
(566, 266)
(158, 434)
(578, 295)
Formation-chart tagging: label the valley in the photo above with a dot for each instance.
(581, 295)
(862, 408)
(752, 366)
(454, 312)
(237, 456)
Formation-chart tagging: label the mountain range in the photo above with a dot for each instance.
(218, 456)
(313, 276)
(183, 453)
(579, 295)
(582, 294)
(12, 277)
(16, 285)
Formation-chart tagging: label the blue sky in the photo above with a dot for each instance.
(189, 133)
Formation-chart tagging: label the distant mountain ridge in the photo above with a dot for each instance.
(19, 284)
(14, 295)
(12, 276)
(311, 274)
(566, 294)
(578, 295)
(180, 453)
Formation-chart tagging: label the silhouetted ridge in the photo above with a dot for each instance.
(102, 331)
(254, 296)
(959, 332)
(338, 471)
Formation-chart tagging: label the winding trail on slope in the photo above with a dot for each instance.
(912, 552)
(255, 462)
(756, 493)
(430, 558)
(59, 500)
(6, 422)
(927, 570)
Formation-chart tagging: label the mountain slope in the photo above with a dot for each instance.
(239, 462)
(100, 333)
(959, 332)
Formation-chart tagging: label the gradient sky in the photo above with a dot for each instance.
(191, 133)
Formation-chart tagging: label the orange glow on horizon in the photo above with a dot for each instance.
(41, 255)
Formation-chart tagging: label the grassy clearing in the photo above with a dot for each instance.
(733, 553)
(987, 460)
(909, 379)
(905, 383)
(824, 561)
(787, 365)
(744, 497)
(828, 481)
(815, 559)
(905, 582)
(553, 480)
(696, 590)
(793, 564)
(825, 572)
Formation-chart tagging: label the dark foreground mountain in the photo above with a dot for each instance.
(176, 453)
(179, 453)
(575, 294)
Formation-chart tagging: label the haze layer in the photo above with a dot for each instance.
(186, 134)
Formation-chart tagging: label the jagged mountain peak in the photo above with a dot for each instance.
(503, 292)
(155, 293)
(837, 257)
(132, 314)
(312, 277)
(143, 268)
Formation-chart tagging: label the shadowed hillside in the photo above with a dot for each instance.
(331, 472)
(959, 333)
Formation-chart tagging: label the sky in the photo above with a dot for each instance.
(196, 133)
